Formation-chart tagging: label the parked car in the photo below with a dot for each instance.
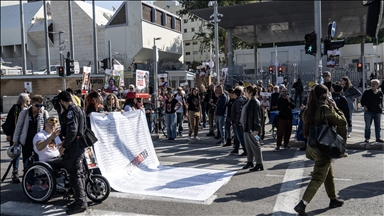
(43, 70)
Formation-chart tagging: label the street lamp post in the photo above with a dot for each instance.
(61, 48)
(156, 87)
(216, 21)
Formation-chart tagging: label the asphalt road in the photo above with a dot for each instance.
(359, 180)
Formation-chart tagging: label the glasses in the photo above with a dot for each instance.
(130, 88)
(39, 105)
(52, 121)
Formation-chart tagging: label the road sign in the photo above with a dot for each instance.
(333, 29)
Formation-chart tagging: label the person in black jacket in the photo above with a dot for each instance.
(285, 106)
(228, 134)
(211, 100)
(236, 109)
(22, 103)
(250, 120)
(341, 103)
(298, 86)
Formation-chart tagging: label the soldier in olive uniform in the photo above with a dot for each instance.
(73, 151)
(322, 171)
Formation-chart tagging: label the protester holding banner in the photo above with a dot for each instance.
(130, 102)
(111, 103)
(170, 115)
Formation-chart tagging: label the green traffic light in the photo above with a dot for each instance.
(310, 49)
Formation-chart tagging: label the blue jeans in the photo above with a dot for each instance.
(368, 118)
(180, 119)
(204, 113)
(16, 165)
(221, 126)
(238, 132)
(351, 107)
(170, 119)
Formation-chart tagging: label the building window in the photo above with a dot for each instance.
(185, 20)
(178, 25)
(169, 21)
(195, 52)
(187, 44)
(194, 43)
(188, 63)
(147, 12)
(187, 53)
(120, 17)
(159, 16)
(192, 29)
(185, 31)
(192, 20)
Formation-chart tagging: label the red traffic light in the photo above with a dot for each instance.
(280, 69)
(359, 67)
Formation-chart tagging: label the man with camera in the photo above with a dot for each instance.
(73, 151)
(285, 106)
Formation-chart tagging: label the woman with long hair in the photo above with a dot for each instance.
(111, 103)
(130, 102)
(194, 113)
(351, 93)
(318, 105)
(92, 104)
(170, 115)
(251, 120)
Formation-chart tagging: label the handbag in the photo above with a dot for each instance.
(89, 137)
(324, 140)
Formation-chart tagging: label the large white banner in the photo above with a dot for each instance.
(127, 158)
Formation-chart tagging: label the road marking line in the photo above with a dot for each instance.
(289, 194)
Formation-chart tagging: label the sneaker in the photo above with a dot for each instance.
(76, 209)
(243, 154)
(277, 149)
(189, 138)
(366, 141)
(334, 203)
(300, 208)
(349, 135)
(234, 152)
(15, 178)
(219, 143)
(197, 138)
(287, 146)
(380, 140)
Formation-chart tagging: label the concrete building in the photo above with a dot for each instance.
(131, 30)
(189, 28)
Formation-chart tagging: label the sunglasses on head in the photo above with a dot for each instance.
(52, 121)
(39, 105)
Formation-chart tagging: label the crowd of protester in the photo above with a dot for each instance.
(235, 116)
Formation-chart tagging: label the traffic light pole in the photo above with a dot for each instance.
(362, 45)
(318, 61)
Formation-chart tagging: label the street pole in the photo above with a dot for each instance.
(317, 18)
(64, 78)
(362, 48)
(95, 54)
(47, 53)
(70, 29)
(156, 87)
(61, 51)
(216, 41)
(23, 52)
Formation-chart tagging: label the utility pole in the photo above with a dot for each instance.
(70, 29)
(216, 21)
(156, 87)
(47, 53)
(317, 18)
(95, 54)
(23, 52)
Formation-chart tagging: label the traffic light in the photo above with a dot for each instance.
(332, 45)
(310, 43)
(280, 69)
(271, 70)
(373, 18)
(60, 70)
(105, 63)
(359, 67)
(69, 66)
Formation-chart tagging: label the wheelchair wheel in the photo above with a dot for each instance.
(97, 188)
(39, 183)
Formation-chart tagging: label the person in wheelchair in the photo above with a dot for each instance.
(47, 142)
(46, 145)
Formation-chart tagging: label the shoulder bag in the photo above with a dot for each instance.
(323, 139)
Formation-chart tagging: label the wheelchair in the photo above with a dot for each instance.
(41, 181)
